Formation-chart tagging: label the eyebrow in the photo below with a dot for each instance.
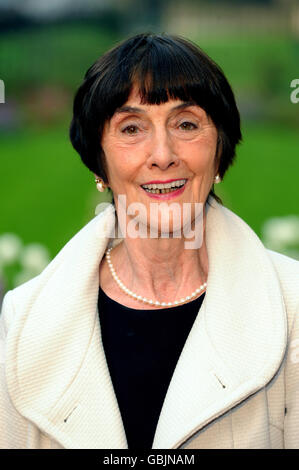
(131, 109)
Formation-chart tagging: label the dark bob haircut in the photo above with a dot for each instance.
(163, 67)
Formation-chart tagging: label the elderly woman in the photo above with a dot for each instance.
(144, 334)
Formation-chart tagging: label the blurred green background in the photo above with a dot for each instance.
(47, 194)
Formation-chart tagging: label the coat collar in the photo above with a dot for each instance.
(57, 372)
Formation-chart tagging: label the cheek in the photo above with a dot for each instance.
(200, 156)
(122, 164)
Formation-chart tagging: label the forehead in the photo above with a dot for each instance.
(135, 104)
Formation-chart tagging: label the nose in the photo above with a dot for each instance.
(162, 153)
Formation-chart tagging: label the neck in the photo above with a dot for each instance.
(161, 268)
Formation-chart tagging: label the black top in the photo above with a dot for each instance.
(142, 348)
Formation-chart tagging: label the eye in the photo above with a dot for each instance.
(187, 126)
(130, 130)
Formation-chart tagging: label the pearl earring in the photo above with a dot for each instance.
(217, 179)
(100, 184)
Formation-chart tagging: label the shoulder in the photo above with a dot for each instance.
(16, 300)
(287, 270)
(72, 265)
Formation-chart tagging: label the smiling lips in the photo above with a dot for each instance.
(164, 190)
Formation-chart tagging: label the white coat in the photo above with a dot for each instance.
(236, 384)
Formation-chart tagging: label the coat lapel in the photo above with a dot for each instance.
(234, 347)
(56, 368)
(238, 339)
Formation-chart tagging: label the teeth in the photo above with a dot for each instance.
(174, 184)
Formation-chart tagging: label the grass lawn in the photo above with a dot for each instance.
(266, 63)
(46, 191)
(262, 183)
(48, 195)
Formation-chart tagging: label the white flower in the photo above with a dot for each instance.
(34, 258)
(280, 233)
(10, 248)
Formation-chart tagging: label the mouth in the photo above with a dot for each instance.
(164, 188)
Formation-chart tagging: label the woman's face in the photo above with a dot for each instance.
(145, 145)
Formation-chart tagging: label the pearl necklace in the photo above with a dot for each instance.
(145, 300)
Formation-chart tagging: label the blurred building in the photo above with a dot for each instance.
(197, 17)
(125, 16)
(202, 18)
